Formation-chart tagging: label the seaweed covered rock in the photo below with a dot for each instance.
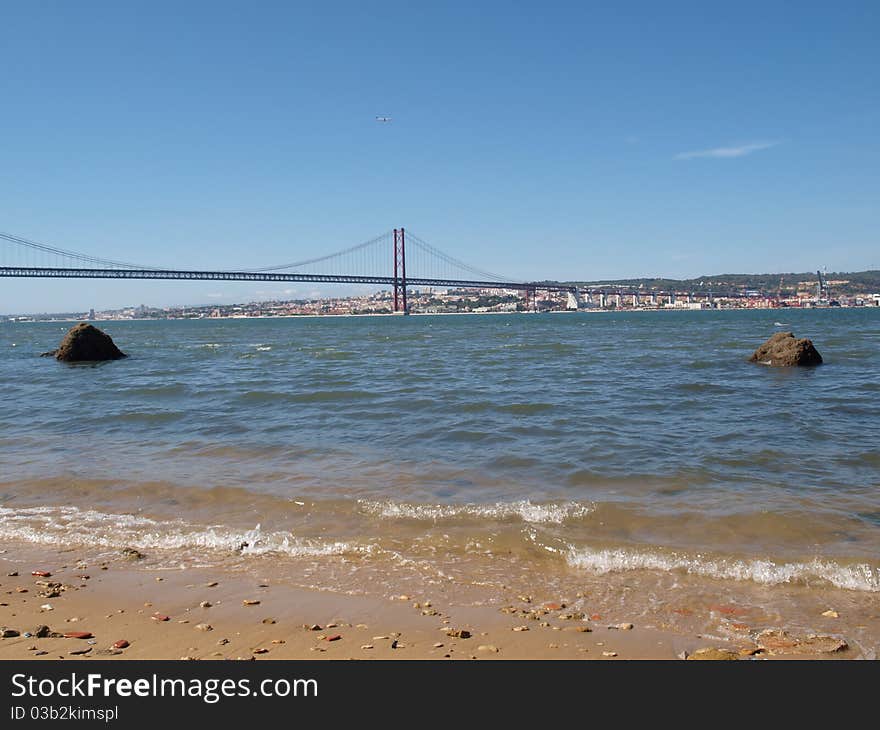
(784, 350)
(86, 343)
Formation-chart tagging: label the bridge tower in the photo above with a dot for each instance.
(400, 271)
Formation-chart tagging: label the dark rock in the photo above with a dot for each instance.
(784, 350)
(7, 633)
(41, 632)
(86, 343)
(50, 353)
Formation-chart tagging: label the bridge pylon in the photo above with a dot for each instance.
(400, 271)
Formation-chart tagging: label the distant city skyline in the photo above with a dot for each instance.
(556, 141)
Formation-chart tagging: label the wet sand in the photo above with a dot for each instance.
(206, 613)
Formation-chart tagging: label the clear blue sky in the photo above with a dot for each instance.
(542, 140)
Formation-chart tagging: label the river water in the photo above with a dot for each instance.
(633, 457)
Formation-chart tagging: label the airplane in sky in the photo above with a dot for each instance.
(383, 119)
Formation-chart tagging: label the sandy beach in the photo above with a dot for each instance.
(123, 609)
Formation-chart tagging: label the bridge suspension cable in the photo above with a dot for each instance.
(385, 237)
(372, 259)
(433, 251)
(67, 256)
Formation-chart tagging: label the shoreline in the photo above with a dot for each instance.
(640, 310)
(204, 613)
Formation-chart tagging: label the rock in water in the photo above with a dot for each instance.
(784, 350)
(711, 653)
(86, 343)
(776, 641)
(130, 553)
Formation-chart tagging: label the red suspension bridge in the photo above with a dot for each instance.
(411, 260)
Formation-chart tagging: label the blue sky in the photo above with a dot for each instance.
(541, 140)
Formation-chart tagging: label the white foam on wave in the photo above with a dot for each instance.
(857, 577)
(525, 510)
(71, 526)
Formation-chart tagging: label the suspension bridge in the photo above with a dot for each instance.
(397, 259)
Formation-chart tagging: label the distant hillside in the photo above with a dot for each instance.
(853, 282)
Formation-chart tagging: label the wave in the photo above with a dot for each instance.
(857, 577)
(524, 510)
(65, 526)
(158, 391)
(155, 417)
(316, 396)
(526, 409)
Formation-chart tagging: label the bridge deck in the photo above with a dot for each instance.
(62, 273)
